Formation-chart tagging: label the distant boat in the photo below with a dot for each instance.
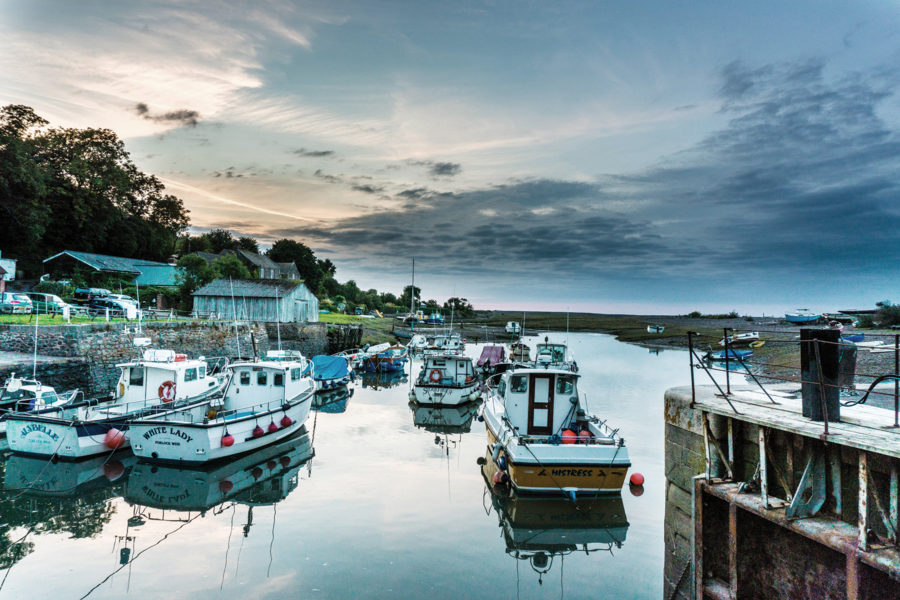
(655, 328)
(853, 337)
(741, 338)
(802, 315)
(513, 327)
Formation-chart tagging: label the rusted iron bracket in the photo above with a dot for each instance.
(708, 434)
(811, 491)
(863, 503)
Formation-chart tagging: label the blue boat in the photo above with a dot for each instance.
(732, 354)
(388, 361)
(331, 372)
(853, 337)
(802, 315)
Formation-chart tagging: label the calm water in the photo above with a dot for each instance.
(384, 509)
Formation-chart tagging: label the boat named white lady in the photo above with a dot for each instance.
(162, 379)
(263, 402)
(543, 442)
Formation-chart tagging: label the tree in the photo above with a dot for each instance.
(460, 307)
(311, 270)
(193, 273)
(248, 243)
(219, 239)
(231, 266)
(405, 297)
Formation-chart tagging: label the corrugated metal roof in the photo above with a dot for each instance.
(158, 275)
(249, 288)
(102, 262)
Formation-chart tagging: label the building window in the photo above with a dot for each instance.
(278, 379)
(190, 374)
(261, 378)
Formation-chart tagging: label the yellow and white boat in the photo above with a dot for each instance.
(542, 441)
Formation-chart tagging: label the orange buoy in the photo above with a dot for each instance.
(585, 436)
(569, 436)
(227, 440)
(114, 439)
(636, 479)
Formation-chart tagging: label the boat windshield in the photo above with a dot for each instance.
(565, 385)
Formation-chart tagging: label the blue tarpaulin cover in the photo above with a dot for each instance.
(330, 367)
(495, 354)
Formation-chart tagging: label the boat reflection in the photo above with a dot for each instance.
(385, 380)
(266, 476)
(543, 530)
(444, 419)
(37, 476)
(332, 401)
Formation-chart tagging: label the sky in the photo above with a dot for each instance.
(647, 157)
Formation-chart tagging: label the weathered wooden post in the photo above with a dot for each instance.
(819, 392)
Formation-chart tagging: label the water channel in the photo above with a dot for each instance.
(374, 501)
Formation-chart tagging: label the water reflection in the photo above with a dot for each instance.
(542, 531)
(332, 401)
(382, 381)
(450, 419)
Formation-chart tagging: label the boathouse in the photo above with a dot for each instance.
(267, 300)
(142, 272)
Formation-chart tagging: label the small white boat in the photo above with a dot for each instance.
(446, 343)
(417, 343)
(655, 328)
(802, 315)
(554, 355)
(542, 441)
(161, 380)
(263, 402)
(740, 339)
(513, 327)
(446, 380)
(26, 395)
(520, 352)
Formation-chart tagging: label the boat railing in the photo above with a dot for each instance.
(766, 367)
(212, 415)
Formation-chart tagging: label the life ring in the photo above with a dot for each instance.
(757, 344)
(167, 391)
(435, 375)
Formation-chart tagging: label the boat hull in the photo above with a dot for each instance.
(438, 395)
(185, 443)
(529, 474)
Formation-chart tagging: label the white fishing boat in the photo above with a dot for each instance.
(159, 381)
(263, 402)
(655, 328)
(541, 439)
(417, 343)
(446, 343)
(513, 327)
(519, 351)
(446, 380)
(556, 355)
(26, 395)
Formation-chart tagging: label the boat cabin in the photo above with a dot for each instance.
(539, 401)
(164, 376)
(446, 342)
(547, 354)
(258, 384)
(19, 395)
(446, 370)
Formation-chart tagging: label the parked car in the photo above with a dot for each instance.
(124, 298)
(46, 303)
(99, 306)
(15, 303)
(86, 295)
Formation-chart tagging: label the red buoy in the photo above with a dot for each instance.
(585, 436)
(636, 479)
(285, 461)
(225, 486)
(498, 478)
(569, 436)
(273, 427)
(256, 472)
(636, 490)
(286, 421)
(271, 464)
(258, 431)
(113, 470)
(114, 439)
(227, 440)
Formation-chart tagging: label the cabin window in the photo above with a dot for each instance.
(278, 379)
(439, 363)
(461, 366)
(190, 374)
(518, 384)
(245, 378)
(136, 376)
(565, 385)
(49, 397)
(261, 378)
(295, 373)
(202, 372)
(502, 387)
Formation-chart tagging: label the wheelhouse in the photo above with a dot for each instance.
(447, 370)
(539, 402)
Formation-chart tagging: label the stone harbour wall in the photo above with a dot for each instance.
(309, 338)
(62, 375)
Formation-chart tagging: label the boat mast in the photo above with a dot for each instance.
(237, 338)
(412, 289)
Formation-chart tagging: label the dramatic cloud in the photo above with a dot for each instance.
(438, 169)
(182, 117)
